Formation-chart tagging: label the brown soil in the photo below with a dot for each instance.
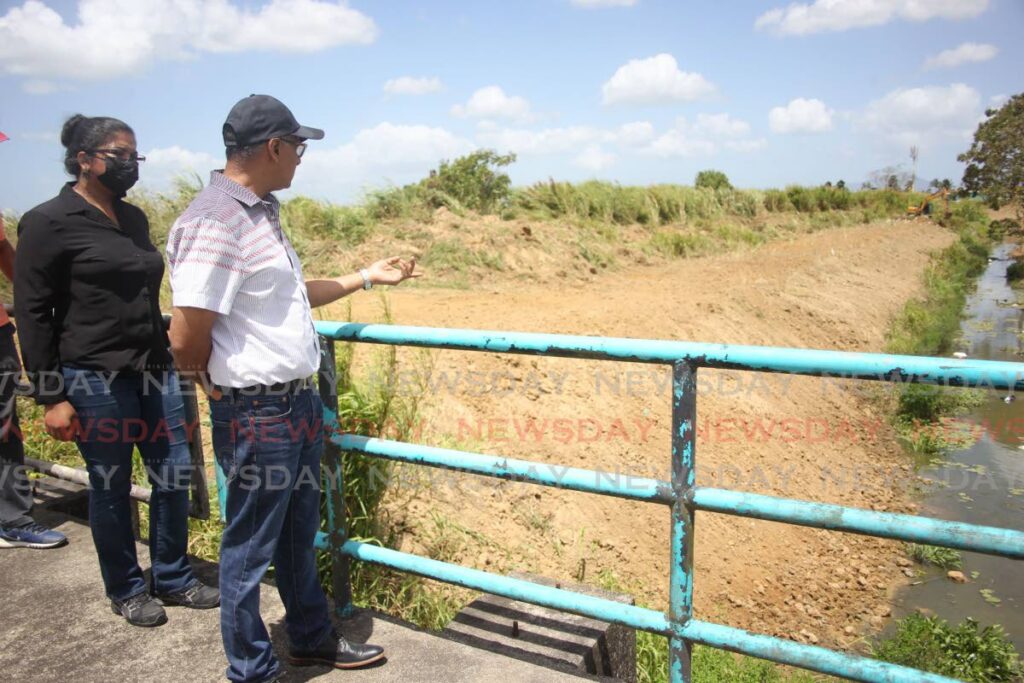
(797, 437)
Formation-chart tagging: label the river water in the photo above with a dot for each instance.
(983, 482)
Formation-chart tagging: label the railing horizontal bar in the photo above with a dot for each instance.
(724, 637)
(591, 481)
(79, 476)
(886, 367)
(972, 537)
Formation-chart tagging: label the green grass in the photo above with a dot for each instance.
(710, 665)
(928, 327)
(682, 245)
(665, 204)
(963, 651)
(450, 254)
(944, 558)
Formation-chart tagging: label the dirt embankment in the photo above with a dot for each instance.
(798, 437)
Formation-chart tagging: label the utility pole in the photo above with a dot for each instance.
(913, 172)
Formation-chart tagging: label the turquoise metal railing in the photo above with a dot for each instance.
(680, 494)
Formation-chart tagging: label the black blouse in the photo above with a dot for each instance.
(87, 292)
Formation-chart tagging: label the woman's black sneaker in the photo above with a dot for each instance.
(140, 610)
(196, 596)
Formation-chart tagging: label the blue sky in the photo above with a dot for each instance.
(633, 91)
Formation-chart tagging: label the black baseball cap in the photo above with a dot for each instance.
(258, 118)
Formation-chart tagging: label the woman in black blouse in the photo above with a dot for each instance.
(87, 297)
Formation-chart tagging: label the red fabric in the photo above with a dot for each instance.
(3, 137)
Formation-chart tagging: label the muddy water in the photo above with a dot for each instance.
(983, 482)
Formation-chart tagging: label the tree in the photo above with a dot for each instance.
(890, 177)
(841, 185)
(715, 180)
(473, 180)
(995, 161)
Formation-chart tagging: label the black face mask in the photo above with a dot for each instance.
(120, 175)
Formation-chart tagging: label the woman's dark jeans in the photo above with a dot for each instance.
(116, 413)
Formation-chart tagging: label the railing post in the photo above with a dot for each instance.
(336, 525)
(199, 505)
(684, 440)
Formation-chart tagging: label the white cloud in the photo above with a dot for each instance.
(591, 4)
(630, 137)
(801, 116)
(409, 85)
(841, 15)
(635, 133)
(376, 156)
(126, 36)
(164, 164)
(654, 80)
(593, 158)
(966, 53)
(492, 103)
(39, 87)
(721, 125)
(915, 115)
(679, 142)
(546, 141)
(704, 137)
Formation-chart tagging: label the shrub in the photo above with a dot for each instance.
(311, 218)
(701, 203)
(776, 200)
(473, 180)
(669, 202)
(737, 202)
(391, 203)
(712, 180)
(1015, 271)
(923, 402)
(801, 199)
(962, 651)
(998, 229)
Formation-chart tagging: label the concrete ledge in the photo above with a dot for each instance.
(549, 637)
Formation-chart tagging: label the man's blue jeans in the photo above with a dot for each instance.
(116, 413)
(269, 447)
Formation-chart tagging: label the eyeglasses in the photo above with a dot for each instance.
(122, 154)
(299, 145)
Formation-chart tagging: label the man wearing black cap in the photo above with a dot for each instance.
(242, 325)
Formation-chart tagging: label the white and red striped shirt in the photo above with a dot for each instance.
(228, 254)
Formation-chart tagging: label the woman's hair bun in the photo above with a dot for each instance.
(67, 133)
